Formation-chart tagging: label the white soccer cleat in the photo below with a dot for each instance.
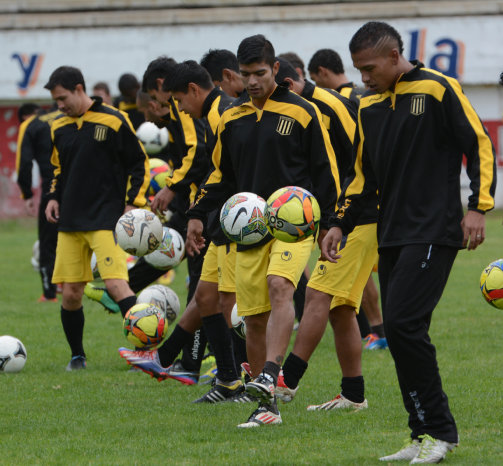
(408, 452)
(283, 392)
(339, 402)
(432, 450)
(265, 414)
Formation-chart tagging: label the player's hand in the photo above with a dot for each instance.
(129, 207)
(29, 206)
(52, 211)
(330, 245)
(162, 200)
(195, 241)
(322, 233)
(474, 229)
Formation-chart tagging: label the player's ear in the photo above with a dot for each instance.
(227, 74)
(289, 81)
(193, 89)
(394, 54)
(275, 68)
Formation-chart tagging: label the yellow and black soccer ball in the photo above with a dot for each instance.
(491, 283)
(145, 325)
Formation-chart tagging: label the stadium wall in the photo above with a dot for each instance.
(465, 44)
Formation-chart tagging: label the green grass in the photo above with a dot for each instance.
(106, 415)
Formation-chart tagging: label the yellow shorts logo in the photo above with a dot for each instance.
(286, 255)
(322, 269)
(109, 261)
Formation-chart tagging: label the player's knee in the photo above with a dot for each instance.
(280, 289)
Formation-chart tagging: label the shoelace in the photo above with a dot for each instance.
(426, 447)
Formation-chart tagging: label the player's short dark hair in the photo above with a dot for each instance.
(286, 70)
(327, 58)
(216, 60)
(67, 77)
(25, 110)
(102, 86)
(370, 33)
(256, 49)
(294, 59)
(161, 67)
(187, 72)
(127, 83)
(501, 79)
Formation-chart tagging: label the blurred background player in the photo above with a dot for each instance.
(296, 62)
(222, 65)
(34, 144)
(102, 90)
(93, 158)
(128, 87)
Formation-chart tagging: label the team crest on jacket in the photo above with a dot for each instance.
(417, 104)
(100, 133)
(285, 125)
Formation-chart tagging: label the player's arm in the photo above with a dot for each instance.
(25, 153)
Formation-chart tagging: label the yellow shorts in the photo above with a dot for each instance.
(253, 266)
(346, 279)
(219, 266)
(73, 256)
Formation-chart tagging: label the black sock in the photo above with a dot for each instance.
(239, 347)
(378, 330)
(193, 351)
(170, 349)
(220, 339)
(293, 370)
(363, 323)
(126, 304)
(272, 369)
(73, 325)
(353, 389)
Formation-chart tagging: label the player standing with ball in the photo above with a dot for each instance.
(267, 139)
(95, 151)
(414, 125)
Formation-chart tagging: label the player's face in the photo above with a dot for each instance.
(378, 70)
(258, 79)
(160, 96)
(189, 102)
(318, 79)
(68, 102)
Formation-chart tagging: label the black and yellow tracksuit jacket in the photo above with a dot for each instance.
(410, 144)
(135, 116)
(339, 116)
(351, 92)
(93, 156)
(262, 150)
(34, 144)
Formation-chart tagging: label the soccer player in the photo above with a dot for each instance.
(224, 71)
(296, 62)
(101, 89)
(269, 138)
(334, 291)
(95, 153)
(34, 143)
(414, 126)
(129, 86)
(327, 70)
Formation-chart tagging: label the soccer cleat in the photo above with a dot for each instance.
(101, 296)
(263, 415)
(43, 299)
(261, 388)
(147, 361)
(374, 342)
(177, 371)
(339, 402)
(284, 393)
(244, 397)
(221, 391)
(76, 363)
(408, 452)
(432, 450)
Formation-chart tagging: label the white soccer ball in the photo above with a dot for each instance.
(12, 354)
(139, 232)
(170, 252)
(94, 266)
(164, 298)
(153, 138)
(242, 218)
(35, 256)
(238, 322)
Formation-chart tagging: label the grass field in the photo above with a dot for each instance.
(107, 415)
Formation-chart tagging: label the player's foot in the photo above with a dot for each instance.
(339, 402)
(76, 363)
(147, 361)
(266, 413)
(432, 450)
(408, 452)
(374, 342)
(284, 393)
(244, 397)
(101, 296)
(43, 299)
(261, 388)
(221, 391)
(178, 372)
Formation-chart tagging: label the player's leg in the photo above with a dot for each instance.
(370, 305)
(47, 235)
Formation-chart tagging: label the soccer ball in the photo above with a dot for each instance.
(170, 252)
(238, 322)
(145, 325)
(138, 232)
(292, 214)
(491, 283)
(242, 218)
(153, 138)
(164, 298)
(12, 354)
(159, 171)
(94, 266)
(35, 256)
